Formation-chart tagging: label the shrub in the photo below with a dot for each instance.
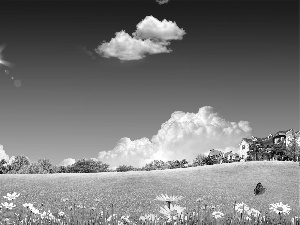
(88, 166)
(125, 168)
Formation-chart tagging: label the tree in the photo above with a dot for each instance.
(199, 160)
(183, 163)
(254, 150)
(292, 147)
(88, 166)
(125, 168)
(3, 166)
(208, 161)
(45, 165)
(19, 162)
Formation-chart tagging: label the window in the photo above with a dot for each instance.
(243, 146)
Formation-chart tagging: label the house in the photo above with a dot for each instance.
(229, 156)
(244, 147)
(268, 142)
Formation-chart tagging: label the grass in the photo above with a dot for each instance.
(133, 193)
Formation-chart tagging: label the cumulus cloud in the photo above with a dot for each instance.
(124, 47)
(162, 1)
(3, 155)
(67, 162)
(183, 136)
(151, 27)
(151, 37)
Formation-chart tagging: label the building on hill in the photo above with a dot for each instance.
(244, 147)
(267, 142)
(229, 156)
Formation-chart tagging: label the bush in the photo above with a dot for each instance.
(125, 168)
(88, 166)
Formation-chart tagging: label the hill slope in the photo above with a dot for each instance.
(134, 192)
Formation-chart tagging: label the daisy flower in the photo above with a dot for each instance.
(172, 212)
(11, 196)
(239, 207)
(149, 217)
(217, 214)
(280, 208)
(253, 212)
(8, 205)
(166, 198)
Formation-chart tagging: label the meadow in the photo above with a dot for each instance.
(133, 193)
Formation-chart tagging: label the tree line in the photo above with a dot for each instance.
(257, 151)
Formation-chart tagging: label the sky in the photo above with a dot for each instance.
(127, 82)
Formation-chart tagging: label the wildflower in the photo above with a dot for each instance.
(172, 212)
(28, 205)
(217, 214)
(253, 212)
(61, 213)
(166, 198)
(280, 208)
(239, 207)
(150, 217)
(11, 196)
(8, 206)
(125, 220)
(35, 211)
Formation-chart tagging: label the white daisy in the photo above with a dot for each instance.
(11, 196)
(172, 212)
(253, 212)
(239, 207)
(217, 214)
(280, 208)
(8, 205)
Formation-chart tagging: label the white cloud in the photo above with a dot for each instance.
(183, 136)
(151, 27)
(3, 155)
(67, 162)
(162, 1)
(124, 47)
(151, 37)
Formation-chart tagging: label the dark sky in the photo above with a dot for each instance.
(239, 57)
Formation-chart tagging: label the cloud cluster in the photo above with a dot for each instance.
(162, 1)
(3, 155)
(183, 136)
(151, 36)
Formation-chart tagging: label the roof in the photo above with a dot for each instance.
(227, 154)
(282, 132)
(247, 140)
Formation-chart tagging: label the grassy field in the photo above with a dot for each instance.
(133, 193)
